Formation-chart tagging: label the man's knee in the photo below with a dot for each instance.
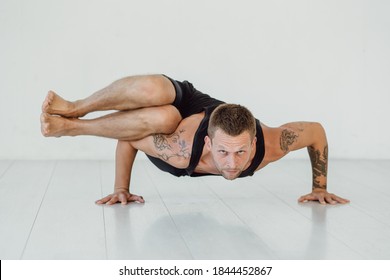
(162, 119)
(169, 119)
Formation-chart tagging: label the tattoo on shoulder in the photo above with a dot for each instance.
(287, 138)
(172, 145)
(319, 163)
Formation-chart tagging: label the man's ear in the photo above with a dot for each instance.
(254, 141)
(207, 142)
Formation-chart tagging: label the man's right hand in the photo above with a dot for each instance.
(120, 196)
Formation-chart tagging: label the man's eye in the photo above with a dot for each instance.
(223, 152)
(240, 152)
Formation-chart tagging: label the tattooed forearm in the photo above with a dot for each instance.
(287, 138)
(319, 164)
(170, 146)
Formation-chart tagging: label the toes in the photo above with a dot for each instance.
(44, 118)
(50, 95)
(48, 101)
(45, 125)
(45, 106)
(52, 126)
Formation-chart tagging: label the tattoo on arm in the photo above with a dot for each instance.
(287, 138)
(171, 146)
(319, 163)
(160, 142)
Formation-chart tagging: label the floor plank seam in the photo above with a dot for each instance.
(6, 170)
(39, 208)
(103, 211)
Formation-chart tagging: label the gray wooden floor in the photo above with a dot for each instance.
(47, 211)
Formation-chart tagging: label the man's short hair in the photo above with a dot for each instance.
(233, 120)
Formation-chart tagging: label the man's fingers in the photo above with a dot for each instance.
(303, 199)
(312, 197)
(329, 199)
(323, 198)
(340, 199)
(100, 201)
(306, 198)
(123, 198)
(114, 199)
(103, 200)
(137, 198)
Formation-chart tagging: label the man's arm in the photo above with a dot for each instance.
(299, 135)
(124, 159)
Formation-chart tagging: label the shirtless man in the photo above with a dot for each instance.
(184, 132)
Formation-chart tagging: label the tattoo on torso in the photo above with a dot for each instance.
(171, 146)
(319, 163)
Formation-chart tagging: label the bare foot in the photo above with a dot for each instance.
(54, 126)
(56, 105)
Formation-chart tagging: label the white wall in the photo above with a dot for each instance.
(327, 61)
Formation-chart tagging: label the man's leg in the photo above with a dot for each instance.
(125, 94)
(124, 125)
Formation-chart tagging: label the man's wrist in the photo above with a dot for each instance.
(117, 189)
(317, 189)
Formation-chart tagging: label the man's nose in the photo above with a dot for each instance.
(232, 161)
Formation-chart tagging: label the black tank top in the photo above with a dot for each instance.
(197, 150)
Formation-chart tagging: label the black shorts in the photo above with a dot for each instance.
(189, 100)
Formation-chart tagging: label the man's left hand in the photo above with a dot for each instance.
(323, 197)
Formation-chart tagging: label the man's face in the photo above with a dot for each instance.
(230, 154)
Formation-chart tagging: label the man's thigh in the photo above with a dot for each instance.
(152, 90)
(160, 119)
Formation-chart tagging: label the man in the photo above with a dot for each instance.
(184, 132)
